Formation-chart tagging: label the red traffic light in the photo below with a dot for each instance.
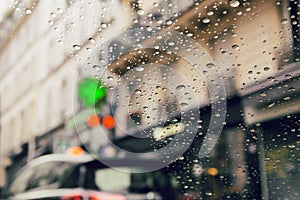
(108, 122)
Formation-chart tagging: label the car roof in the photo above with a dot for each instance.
(96, 161)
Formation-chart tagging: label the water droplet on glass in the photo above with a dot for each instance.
(138, 91)
(76, 47)
(180, 87)
(139, 68)
(155, 4)
(141, 12)
(271, 105)
(234, 3)
(266, 68)
(292, 146)
(92, 40)
(28, 11)
(284, 21)
(149, 29)
(171, 43)
(59, 10)
(96, 67)
(239, 13)
(235, 47)
(135, 21)
(205, 20)
(53, 14)
(180, 158)
(291, 89)
(262, 94)
(169, 22)
(209, 193)
(183, 104)
(286, 98)
(210, 13)
(217, 114)
(271, 79)
(288, 76)
(210, 65)
(103, 25)
(225, 12)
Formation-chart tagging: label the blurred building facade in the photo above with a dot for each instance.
(255, 45)
(41, 46)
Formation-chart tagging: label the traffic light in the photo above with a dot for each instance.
(93, 121)
(107, 121)
(91, 91)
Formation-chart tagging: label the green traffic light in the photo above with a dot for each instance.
(90, 91)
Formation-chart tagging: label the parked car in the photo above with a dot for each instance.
(66, 177)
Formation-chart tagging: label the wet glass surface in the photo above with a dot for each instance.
(195, 99)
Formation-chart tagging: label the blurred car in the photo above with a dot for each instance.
(66, 177)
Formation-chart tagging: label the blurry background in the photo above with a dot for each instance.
(48, 47)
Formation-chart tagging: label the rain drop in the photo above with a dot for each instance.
(92, 40)
(180, 87)
(292, 146)
(291, 89)
(141, 12)
(96, 67)
(149, 29)
(103, 25)
(59, 10)
(234, 3)
(205, 20)
(271, 105)
(159, 37)
(284, 21)
(53, 14)
(180, 158)
(210, 13)
(262, 94)
(183, 104)
(139, 68)
(235, 47)
(210, 65)
(138, 91)
(28, 11)
(171, 43)
(76, 47)
(169, 22)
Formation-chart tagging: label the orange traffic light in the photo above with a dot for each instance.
(93, 121)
